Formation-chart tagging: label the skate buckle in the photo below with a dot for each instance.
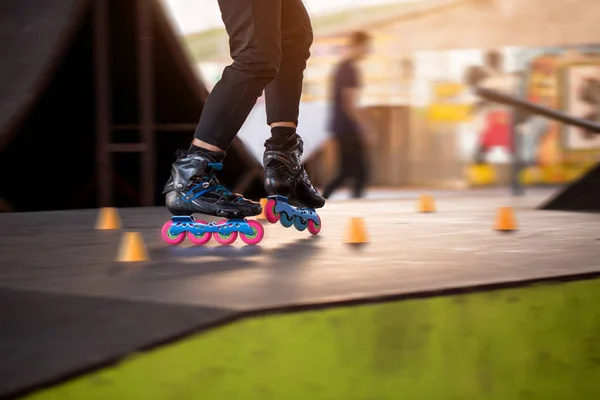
(189, 196)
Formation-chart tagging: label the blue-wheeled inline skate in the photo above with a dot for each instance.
(292, 198)
(278, 209)
(194, 188)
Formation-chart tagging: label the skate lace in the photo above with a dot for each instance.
(211, 179)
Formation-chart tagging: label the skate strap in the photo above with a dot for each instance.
(215, 166)
(221, 189)
(201, 189)
(218, 188)
(194, 193)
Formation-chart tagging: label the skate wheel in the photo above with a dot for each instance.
(201, 239)
(168, 237)
(270, 213)
(314, 228)
(225, 239)
(300, 224)
(257, 235)
(286, 220)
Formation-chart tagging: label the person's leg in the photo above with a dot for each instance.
(360, 170)
(480, 153)
(284, 173)
(335, 184)
(254, 33)
(344, 168)
(255, 44)
(283, 93)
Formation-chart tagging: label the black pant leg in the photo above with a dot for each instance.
(360, 171)
(284, 92)
(254, 33)
(345, 167)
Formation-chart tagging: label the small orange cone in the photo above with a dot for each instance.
(505, 220)
(263, 204)
(426, 204)
(108, 218)
(357, 233)
(132, 248)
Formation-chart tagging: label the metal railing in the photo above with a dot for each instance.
(521, 107)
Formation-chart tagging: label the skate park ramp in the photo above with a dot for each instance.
(435, 304)
(32, 41)
(582, 195)
(48, 102)
(538, 341)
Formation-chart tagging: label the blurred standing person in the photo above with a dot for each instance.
(495, 120)
(351, 128)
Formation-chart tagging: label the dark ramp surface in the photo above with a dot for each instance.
(45, 337)
(581, 195)
(408, 252)
(33, 37)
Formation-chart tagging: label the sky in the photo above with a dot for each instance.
(197, 15)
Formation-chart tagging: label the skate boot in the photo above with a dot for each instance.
(292, 198)
(194, 188)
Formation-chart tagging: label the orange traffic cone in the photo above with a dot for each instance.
(108, 218)
(505, 220)
(132, 248)
(357, 232)
(263, 204)
(426, 204)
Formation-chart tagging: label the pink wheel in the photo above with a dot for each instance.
(257, 235)
(202, 239)
(313, 227)
(270, 213)
(168, 237)
(226, 239)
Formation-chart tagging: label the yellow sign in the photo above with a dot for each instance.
(449, 89)
(449, 113)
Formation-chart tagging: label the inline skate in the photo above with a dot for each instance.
(194, 188)
(292, 199)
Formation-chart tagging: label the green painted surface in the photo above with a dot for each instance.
(541, 342)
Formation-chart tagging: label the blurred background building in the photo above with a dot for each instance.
(416, 84)
(103, 95)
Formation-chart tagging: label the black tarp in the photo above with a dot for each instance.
(48, 105)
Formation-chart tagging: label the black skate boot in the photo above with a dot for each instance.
(194, 188)
(292, 198)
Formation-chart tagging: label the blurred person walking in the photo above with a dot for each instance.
(351, 128)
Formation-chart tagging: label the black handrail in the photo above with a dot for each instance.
(523, 106)
(537, 109)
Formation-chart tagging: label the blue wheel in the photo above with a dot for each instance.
(300, 224)
(285, 220)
